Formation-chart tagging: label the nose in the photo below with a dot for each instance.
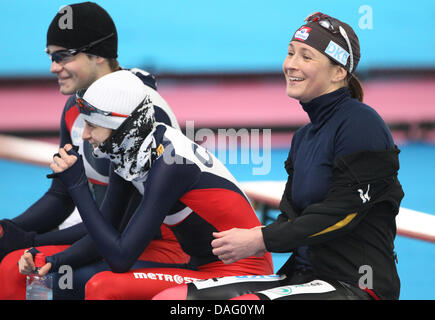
(289, 64)
(86, 135)
(55, 67)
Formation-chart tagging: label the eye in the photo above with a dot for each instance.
(290, 53)
(90, 125)
(306, 57)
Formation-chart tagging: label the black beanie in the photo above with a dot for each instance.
(79, 24)
(332, 45)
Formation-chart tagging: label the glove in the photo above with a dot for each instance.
(74, 151)
(74, 175)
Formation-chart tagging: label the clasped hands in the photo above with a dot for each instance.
(26, 265)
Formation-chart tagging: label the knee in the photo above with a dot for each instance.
(12, 283)
(100, 288)
(9, 265)
(174, 293)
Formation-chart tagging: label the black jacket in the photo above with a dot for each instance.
(352, 228)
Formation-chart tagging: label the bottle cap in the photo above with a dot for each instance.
(39, 260)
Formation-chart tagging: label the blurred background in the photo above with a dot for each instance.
(218, 63)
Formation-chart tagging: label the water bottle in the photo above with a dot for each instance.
(37, 287)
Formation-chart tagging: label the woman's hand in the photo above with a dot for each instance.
(235, 244)
(27, 266)
(63, 161)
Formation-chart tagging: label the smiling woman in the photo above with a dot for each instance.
(317, 65)
(95, 134)
(142, 150)
(310, 74)
(346, 150)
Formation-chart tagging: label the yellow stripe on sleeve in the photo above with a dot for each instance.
(338, 225)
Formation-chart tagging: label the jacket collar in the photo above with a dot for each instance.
(320, 109)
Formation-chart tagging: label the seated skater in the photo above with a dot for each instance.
(75, 69)
(342, 194)
(181, 183)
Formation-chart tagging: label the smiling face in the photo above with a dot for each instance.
(95, 134)
(310, 74)
(77, 72)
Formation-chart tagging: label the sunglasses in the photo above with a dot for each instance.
(62, 56)
(333, 26)
(87, 108)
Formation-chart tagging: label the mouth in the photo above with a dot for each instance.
(293, 80)
(63, 79)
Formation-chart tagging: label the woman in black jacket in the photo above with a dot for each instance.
(342, 194)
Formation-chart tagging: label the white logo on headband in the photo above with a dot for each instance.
(337, 53)
(303, 33)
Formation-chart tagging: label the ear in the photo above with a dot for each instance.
(97, 59)
(100, 60)
(340, 74)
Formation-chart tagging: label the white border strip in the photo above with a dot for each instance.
(410, 223)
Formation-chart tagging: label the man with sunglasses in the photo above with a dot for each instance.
(79, 56)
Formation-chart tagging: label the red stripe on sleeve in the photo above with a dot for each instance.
(93, 181)
(71, 116)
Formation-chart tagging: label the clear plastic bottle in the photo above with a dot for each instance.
(37, 287)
